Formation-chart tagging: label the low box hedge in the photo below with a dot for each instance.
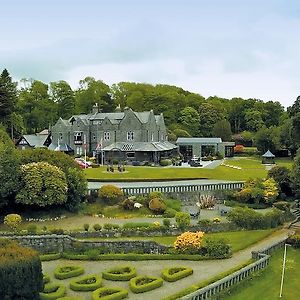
(86, 283)
(46, 278)
(48, 257)
(63, 272)
(70, 298)
(123, 273)
(141, 284)
(109, 293)
(52, 291)
(176, 273)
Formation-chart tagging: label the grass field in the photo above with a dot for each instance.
(267, 284)
(238, 239)
(251, 167)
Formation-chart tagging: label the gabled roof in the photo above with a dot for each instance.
(202, 140)
(35, 140)
(268, 154)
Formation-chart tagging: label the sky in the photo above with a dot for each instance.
(228, 48)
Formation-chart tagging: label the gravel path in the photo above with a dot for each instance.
(202, 270)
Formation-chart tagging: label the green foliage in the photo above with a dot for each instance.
(170, 212)
(267, 139)
(167, 222)
(86, 227)
(97, 227)
(48, 257)
(46, 278)
(165, 162)
(204, 222)
(52, 291)
(21, 274)
(107, 293)
(110, 194)
(86, 283)
(123, 273)
(70, 298)
(173, 203)
(294, 240)
(176, 273)
(155, 194)
(217, 248)
(141, 284)
(42, 185)
(137, 225)
(182, 219)
(63, 272)
(281, 175)
(109, 226)
(181, 133)
(282, 205)
(13, 221)
(189, 118)
(31, 229)
(222, 129)
(295, 175)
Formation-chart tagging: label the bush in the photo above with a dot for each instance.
(48, 257)
(119, 273)
(167, 222)
(97, 227)
(294, 240)
(182, 219)
(165, 162)
(127, 204)
(63, 272)
(107, 293)
(216, 220)
(87, 283)
(176, 273)
(170, 212)
(21, 274)
(46, 278)
(110, 226)
(57, 231)
(282, 205)
(189, 242)
(86, 227)
(141, 284)
(13, 221)
(155, 194)
(92, 254)
(137, 225)
(216, 248)
(173, 203)
(70, 298)
(53, 291)
(204, 222)
(111, 194)
(157, 205)
(32, 229)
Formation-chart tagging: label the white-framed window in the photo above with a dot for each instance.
(130, 135)
(106, 136)
(94, 137)
(78, 137)
(152, 137)
(60, 136)
(78, 150)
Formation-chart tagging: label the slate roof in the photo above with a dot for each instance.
(36, 140)
(61, 147)
(140, 146)
(202, 140)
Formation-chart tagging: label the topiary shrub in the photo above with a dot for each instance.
(141, 284)
(157, 205)
(13, 221)
(63, 272)
(111, 194)
(119, 273)
(176, 273)
(21, 274)
(86, 283)
(97, 227)
(52, 291)
(109, 293)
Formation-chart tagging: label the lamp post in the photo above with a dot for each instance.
(283, 269)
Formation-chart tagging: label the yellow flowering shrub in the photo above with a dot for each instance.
(189, 242)
(13, 221)
(216, 220)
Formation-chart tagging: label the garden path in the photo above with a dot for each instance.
(202, 269)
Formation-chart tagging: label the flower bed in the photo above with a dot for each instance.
(144, 283)
(52, 291)
(176, 273)
(119, 273)
(107, 293)
(86, 283)
(63, 272)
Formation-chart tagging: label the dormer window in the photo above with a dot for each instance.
(106, 136)
(130, 135)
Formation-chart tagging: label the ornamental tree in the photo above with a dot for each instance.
(42, 184)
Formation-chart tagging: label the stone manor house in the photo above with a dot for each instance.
(127, 135)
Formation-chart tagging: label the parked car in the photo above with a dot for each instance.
(83, 163)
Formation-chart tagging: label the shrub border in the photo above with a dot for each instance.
(158, 282)
(48, 257)
(76, 272)
(76, 286)
(176, 276)
(119, 277)
(118, 295)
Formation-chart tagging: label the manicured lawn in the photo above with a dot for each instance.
(238, 239)
(266, 286)
(251, 168)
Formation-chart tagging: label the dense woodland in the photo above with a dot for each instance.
(30, 106)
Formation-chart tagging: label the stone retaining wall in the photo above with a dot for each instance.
(263, 257)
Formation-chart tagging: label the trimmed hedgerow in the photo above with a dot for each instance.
(46, 278)
(69, 298)
(123, 273)
(141, 284)
(52, 256)
(86, 283)
(176, 273)
(21, 274)
(63, 272)
(52, 291)
(109, 293)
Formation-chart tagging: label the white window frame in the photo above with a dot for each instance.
(152, 136)
(106, 136)
(130, 135)
(60, 136)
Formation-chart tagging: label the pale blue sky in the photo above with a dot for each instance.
(229, 48)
